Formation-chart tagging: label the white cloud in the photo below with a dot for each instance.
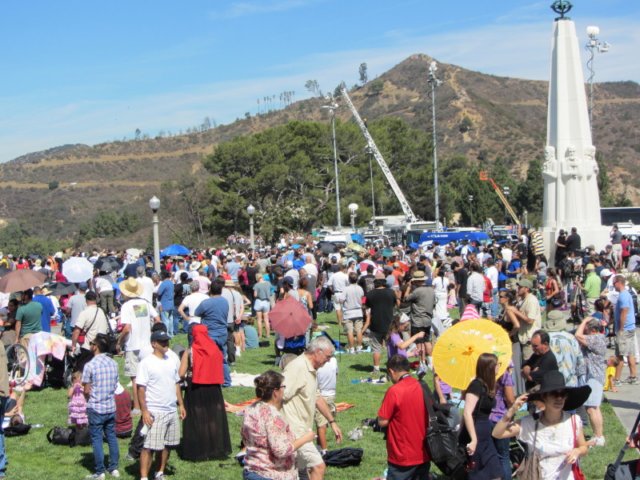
(243, 9)
(521, 51)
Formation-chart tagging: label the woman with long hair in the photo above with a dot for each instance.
(479, 401)
(508, 320)
(553, 290)
(396, 344)
(271, 445)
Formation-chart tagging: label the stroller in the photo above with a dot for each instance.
(58, 372)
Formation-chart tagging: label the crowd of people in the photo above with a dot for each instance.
(392, 302)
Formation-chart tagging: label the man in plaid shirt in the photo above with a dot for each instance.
(100, 379)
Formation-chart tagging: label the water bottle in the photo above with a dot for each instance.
(37, 425)
(144, 430)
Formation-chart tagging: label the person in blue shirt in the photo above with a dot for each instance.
(165, 301)
(213, 314)
(48, 310)
(625, 328)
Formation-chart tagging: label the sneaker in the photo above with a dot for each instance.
(159, 476)
(351, 351)
(115, 473)
(422, 371)
(96, 476)
(129, 458)
(631, 381)
(598, 441)
(359, 349)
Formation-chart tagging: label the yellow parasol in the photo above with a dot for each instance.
(457, 350)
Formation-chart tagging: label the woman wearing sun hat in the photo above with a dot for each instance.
(556, 435)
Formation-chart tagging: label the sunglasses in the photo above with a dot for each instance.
(558, 393)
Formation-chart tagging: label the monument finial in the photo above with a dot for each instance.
(561, 7)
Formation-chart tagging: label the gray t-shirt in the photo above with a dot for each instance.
(352, 306)
(77, 304)
(422, 301)
(262, 290)
(616, 237)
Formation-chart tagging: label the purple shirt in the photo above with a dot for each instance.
(506, 380)
(393, 348)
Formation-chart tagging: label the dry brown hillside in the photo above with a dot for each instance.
(481, 116)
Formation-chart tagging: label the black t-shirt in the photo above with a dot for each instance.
(381, 302)
(540, 364)
(485, 402)
(573, 242)
(461, 279)
(366, 282)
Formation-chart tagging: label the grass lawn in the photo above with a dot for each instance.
(32, 457)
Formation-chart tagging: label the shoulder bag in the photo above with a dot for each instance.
(82, 336)
(575, 467)
(530, 469)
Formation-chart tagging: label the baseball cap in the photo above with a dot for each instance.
(160, 336)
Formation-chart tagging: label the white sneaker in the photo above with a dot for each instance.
(359, 349)
(115, 473)
(238, 352)
(352, 351)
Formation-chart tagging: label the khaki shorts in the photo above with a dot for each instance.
(376, 340)
(337, 306)
(321, 420)
(625, 344)
(352, 323)
(308, 457)
(164, 431)
(131, 361)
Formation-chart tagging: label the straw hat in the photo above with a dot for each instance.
(131, 287)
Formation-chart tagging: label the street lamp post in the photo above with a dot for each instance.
(471, 210)
(251, 210)
(154, 205)
(506, 191)
(593, 45)
(332, 111)
(435, 82)
(353, 208)
(373, 193)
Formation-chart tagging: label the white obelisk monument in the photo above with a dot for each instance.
(570, 171)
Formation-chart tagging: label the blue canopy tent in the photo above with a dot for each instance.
(175, 249)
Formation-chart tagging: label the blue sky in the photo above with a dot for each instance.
(79, 71)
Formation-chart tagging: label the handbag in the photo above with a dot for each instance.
(530, 469)
(62, 436)
(578, 474)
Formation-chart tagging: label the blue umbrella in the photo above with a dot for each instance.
(175, 249)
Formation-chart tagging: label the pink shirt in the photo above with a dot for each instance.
(269, 442)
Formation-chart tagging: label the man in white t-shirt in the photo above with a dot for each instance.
(493, 275)
(327, 377)
(136, 317)
(159, 392)
(146, 282)
(189, 304)
(338, 282)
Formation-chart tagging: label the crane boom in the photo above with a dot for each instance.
(484, 177)
(406, 208)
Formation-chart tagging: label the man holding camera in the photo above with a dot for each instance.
(404, 414)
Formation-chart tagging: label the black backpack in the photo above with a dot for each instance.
(343, 457)
(442, 437)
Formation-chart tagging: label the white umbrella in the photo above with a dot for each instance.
(77, 269)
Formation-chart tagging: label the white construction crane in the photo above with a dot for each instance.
(406, 208)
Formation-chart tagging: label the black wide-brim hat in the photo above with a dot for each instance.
(554, 381)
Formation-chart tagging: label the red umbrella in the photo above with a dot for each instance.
(289, 318)
(20, 280)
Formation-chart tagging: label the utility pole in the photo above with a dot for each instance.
(332, 111)
(435, 82)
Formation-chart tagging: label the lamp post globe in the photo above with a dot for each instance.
(353, 208)
(154, 205)
(251, 210)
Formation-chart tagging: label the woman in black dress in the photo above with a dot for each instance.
(205, 429)
(479, 400)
